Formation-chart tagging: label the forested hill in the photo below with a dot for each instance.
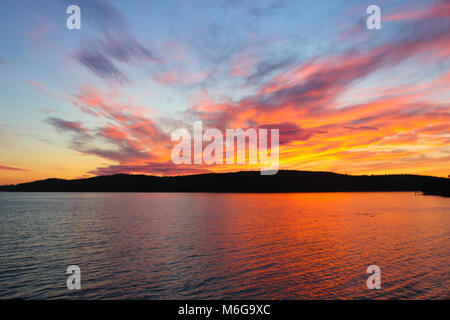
(245, 181)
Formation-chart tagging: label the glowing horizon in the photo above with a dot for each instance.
(105, 99)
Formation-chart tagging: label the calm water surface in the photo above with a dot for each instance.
(224, 246)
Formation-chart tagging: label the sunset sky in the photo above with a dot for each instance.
(105, 99)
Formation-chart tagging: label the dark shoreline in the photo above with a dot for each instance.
(285, 181)
(437, 188)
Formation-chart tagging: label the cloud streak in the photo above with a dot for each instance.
(101, 66)
(6, 168)
(114, 45)
(64, 125)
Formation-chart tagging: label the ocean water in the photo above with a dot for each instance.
(224, 246)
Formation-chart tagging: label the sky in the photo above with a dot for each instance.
(105, 99)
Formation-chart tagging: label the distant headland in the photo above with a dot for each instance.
(241, 182)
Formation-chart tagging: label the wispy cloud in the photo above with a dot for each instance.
(114, 44)
(440, 9)
(101, 66)
(159, 168)
(11, 168)
(64, 125)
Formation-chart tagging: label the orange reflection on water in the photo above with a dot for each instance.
(225, 246)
